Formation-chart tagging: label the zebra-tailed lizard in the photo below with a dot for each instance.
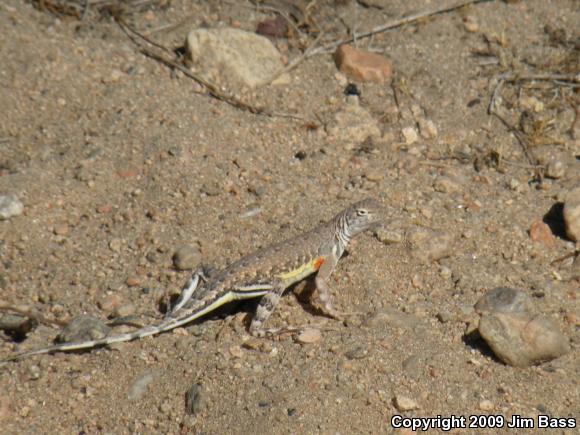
(265, 273)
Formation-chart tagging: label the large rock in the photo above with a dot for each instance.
(232, 56)
(521, 340)
(572, 215)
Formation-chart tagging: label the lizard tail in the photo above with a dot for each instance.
(90, 344)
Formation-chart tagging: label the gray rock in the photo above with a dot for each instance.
(186, 258)
(521, 340)
(10, 206)
(139, 385)
(237, 57)
(504, 300)
(194, 400)
(83, 328)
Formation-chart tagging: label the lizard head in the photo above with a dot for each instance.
(361, 216)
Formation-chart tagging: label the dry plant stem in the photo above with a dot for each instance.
(211, 88)
(31, 314)
(393, 24)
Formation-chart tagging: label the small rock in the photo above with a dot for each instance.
(138, 387)
(10, 206)
(61, 230)
(392, 317)
(403, 403)
(133, 281)
(195, 400)
(541, 233)
(522, 340)
(362, 65)
(309, 335)
(273, 28)
(427, 128)
(486, 405)
(352, 126)
(470, 24)
(430, 245)
(388, 237)
(83, 328)
(109, 303)
(556, 169)
(236, 352)
(410, 134)
(504, 300)
(186, 258)
(572, 215)
(125, 310)
(413, 366)
(237, 57)
(14, 323)
(446, 185)
(115, 245)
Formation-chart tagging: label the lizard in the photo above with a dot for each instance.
(264, 274)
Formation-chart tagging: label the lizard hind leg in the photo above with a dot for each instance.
(187, 291)
(265, 308)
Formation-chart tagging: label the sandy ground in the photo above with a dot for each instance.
(118, 164)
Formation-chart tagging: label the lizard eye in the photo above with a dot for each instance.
(362, 212)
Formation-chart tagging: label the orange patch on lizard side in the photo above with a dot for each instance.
(318, 262)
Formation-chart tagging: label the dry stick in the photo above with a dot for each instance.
(30, 313)
(396, 23)
(211, 88)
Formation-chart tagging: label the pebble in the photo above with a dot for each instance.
(486, 405)
(504, 300)
(392, 317)
(362, 65)
(133, 281)
(404, 403)
(309, 336)
(83, 328)
(413, 366)
(186, 258)
(572, 214)
(470, 24)
(446, 185)
(115, 245)
(240, 58)
(410, 134)
(427, 128)
(10, 206)
(125, 310)
(138, 387)
(195, 401)
(430, 245)
(352, 125)
(556, 169)
(15, 324)
(236, 351)
(109, 303)
(522, 340)
(541, 233)
(388, 237)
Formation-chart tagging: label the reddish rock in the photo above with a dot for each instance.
(362, 65)
(541, 233)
